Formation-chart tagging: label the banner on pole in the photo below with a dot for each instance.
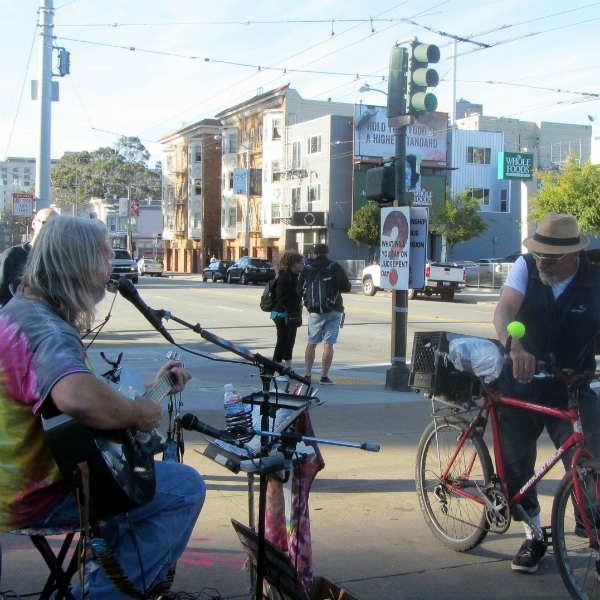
(395, 247)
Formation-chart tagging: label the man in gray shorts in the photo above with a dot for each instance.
(324, 317)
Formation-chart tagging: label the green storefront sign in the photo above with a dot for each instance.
(515, 165)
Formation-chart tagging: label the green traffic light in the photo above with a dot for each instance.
(424, 101)
(427, 53)
(426, 77)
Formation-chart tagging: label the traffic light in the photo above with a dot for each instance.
(421, 77)
(380, 184)
(396, 105)
(64, 62)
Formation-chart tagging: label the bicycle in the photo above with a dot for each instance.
(460, 494)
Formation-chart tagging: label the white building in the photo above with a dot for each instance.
(17, 174)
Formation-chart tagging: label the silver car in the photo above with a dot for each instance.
(150, 266)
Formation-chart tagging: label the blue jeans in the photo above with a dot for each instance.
(162, 529)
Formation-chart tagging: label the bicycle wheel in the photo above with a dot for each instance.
(456, 521)
(575, 560)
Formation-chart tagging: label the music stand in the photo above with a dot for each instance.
(279, 572)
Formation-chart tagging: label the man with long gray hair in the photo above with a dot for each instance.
(46, 373)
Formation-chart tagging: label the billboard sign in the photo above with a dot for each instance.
(515, 165)
(374, 138)
(23, 205)
(395, 247)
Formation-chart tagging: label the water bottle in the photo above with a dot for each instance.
(237, 417)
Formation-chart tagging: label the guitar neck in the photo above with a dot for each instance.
(159, 390)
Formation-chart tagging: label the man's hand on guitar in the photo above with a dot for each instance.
(181, 375)
(148, 414)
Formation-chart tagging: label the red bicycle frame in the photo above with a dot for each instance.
(488, 411)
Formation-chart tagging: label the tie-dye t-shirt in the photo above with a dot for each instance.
(37, 349)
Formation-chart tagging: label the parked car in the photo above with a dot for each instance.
(444, 279)
(216, 270)
(256, 270)
(150, 266)
(123, 265)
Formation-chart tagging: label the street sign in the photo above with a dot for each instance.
(419, 219)
(23, 205)
(395, 247)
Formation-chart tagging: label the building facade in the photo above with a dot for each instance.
(191, 196)
(259, 134)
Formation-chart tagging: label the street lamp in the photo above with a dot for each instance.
(247, 240)
(368, 88)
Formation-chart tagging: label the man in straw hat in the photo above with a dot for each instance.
(555, 292)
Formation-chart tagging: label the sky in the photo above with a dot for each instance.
(139, 68)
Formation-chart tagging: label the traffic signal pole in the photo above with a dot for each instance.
(396, 377)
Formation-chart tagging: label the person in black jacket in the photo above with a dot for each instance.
(324, 323)
(555, 292)
(287, 302)
(13, 260)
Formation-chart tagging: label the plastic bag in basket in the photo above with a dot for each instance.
(477, 356)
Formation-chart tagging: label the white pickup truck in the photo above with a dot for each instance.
(445, 279)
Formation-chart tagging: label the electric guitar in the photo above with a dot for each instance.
(121, 461)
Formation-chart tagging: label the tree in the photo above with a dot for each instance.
(574, 191)
(105, 172)
(457, 219)
(366, 228)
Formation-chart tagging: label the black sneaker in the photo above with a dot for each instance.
(326, 381)
(528, 557)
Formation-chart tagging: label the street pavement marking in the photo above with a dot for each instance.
(227, 308)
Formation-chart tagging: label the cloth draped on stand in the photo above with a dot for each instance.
(287, 516)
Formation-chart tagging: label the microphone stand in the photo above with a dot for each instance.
(268, 409)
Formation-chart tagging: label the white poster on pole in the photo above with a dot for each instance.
(395, 247)
(23, 205)
(419, 221)
(239, 181)
(123, 206)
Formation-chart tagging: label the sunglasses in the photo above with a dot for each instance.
(549, 259)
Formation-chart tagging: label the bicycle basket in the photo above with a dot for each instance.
(432, 370)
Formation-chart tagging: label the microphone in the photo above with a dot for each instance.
(128, 291)
(193, 423)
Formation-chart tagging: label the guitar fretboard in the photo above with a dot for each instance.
(159, 390)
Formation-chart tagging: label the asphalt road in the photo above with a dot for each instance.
(232, 312)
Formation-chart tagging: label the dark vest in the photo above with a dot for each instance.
(562, 331)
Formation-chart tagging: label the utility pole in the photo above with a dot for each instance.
(42, 171)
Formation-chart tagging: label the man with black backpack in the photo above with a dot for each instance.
(321, 285)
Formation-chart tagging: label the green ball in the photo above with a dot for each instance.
(516, 330)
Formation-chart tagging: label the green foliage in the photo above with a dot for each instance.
(366, 228)
(574, 191)
(105, 172)
(457, 219)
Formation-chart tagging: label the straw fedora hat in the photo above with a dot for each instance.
(557, 234)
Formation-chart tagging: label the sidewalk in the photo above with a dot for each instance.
(368, 533)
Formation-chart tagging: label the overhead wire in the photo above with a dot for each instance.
(22, 90)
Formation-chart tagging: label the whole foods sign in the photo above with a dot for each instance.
(515, 165)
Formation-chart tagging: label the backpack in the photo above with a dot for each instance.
(318, 290)
(269, 295)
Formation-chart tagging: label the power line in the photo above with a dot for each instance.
(22, 90)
